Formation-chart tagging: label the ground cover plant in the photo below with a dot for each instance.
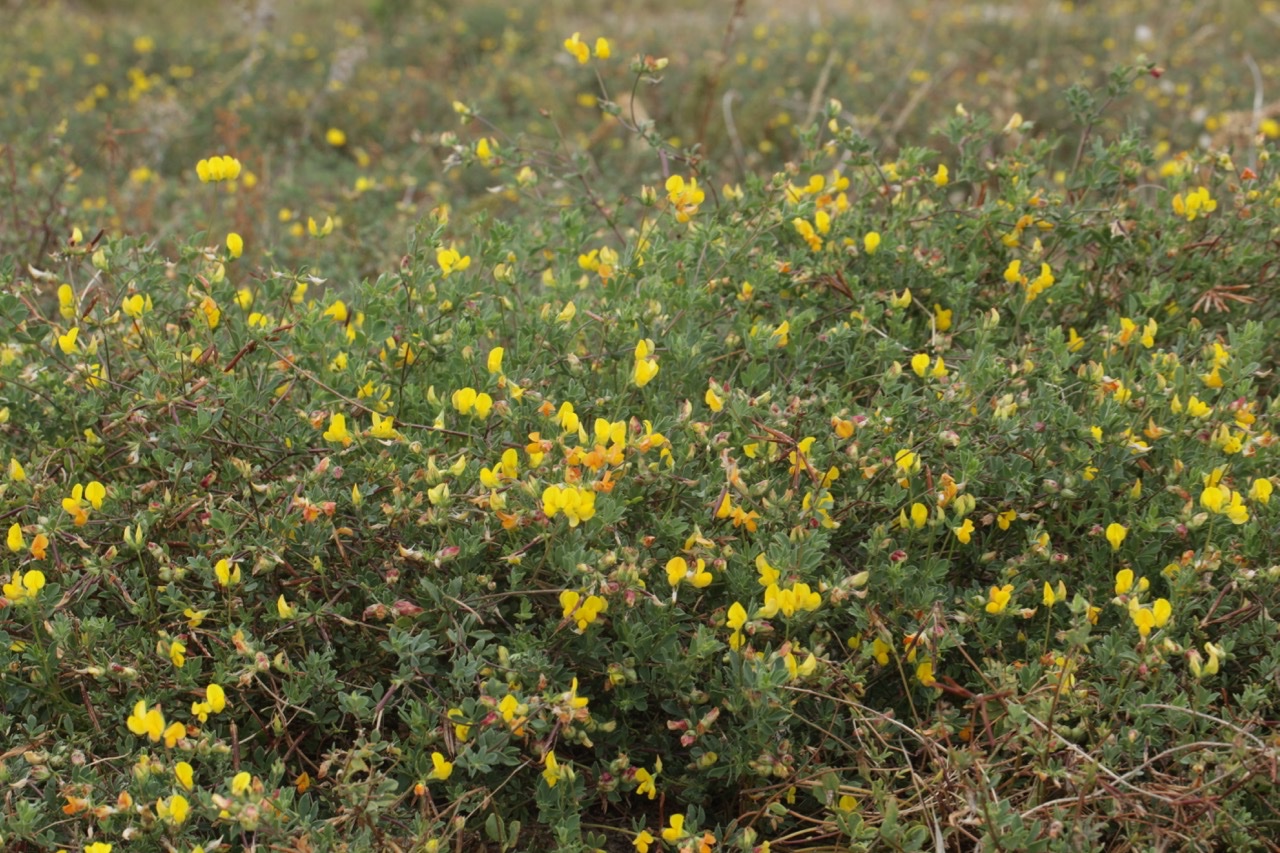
(501, 428)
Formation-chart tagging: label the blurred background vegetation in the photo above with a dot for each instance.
(133, 94)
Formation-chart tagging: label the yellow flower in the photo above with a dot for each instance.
(94, 493)
(185, 775)
(880, 651)
(551, 768)
(1013, 273)
(338, 311)
(941, 177)
(902, 300)
(335, 137)
(1260, 491)
(235, 244)
(66, 302)
(173, 810)
(871, 242)
(441, 768)
(646, 366)
(284, 608)
(942, 317)
(451, 261)
(1161, 610)
(643, 841)
(920, 363)
(15, 540)
(318, 231)
(75, 505)
(136, 305)
(494, 362)
(684, 197)
(16, 472)
(675, 831)
(216, 169)
(1195, 204)
(1198, 409)
(146, 721)
(713, 400)
(998, 598)
(337, 431)
(178, 653)
(98, 847)
(577, 48)
(603, 50)
(1213, 498)
(678, 569)
(226, 572)
(1116, 534)
(383, 427)
(24, 586)
(67, 342)
(1124, 581)
(240, 783)
(1053, 595)
(964, 532)
(924, 673)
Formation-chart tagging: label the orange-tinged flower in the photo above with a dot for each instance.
(75, 505)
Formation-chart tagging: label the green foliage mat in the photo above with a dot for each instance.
(889, 498)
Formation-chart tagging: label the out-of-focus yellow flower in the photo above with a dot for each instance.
(214, 169)
(577, 48)
(335, 137)
(235, 244)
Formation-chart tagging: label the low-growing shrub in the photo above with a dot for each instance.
(871, 504)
